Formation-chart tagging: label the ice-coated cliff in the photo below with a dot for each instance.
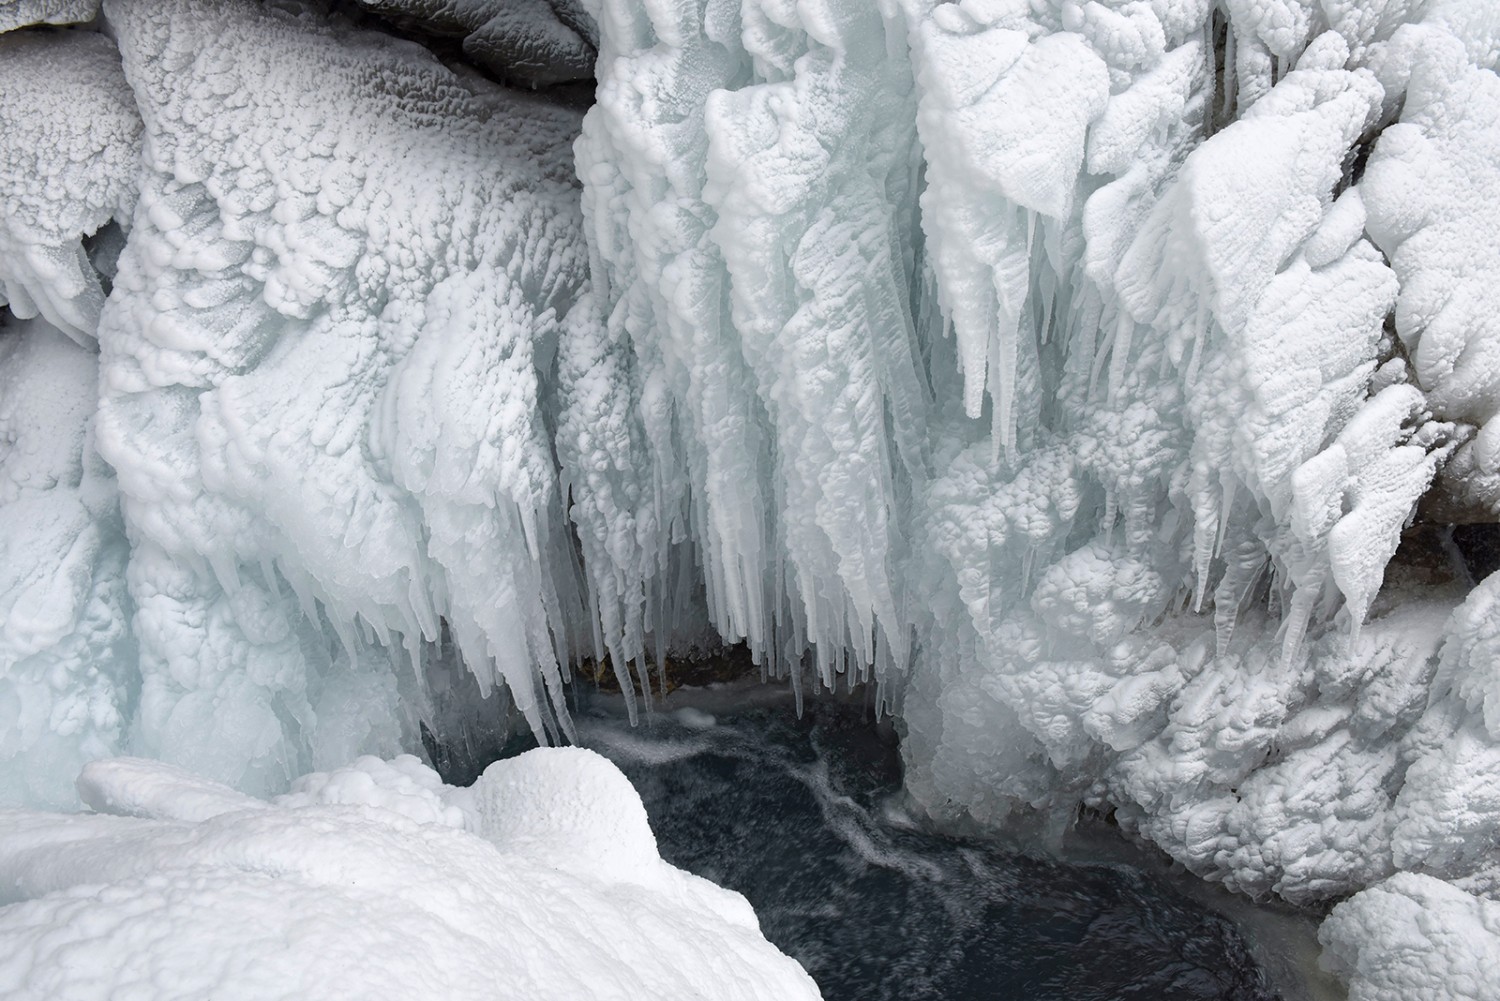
(1099, 378)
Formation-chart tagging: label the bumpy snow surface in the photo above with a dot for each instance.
(541, 880)
(1415, 938)
(1098, 377)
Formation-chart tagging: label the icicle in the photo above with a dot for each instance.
(1119, 362)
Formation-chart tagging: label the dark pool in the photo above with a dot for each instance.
(794, 814)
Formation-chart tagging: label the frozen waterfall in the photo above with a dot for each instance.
(1100, 380)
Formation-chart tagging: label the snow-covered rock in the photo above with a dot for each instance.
(25, 13)
(194, 891)
(1414, 938)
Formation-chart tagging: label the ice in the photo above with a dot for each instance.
(717, 269)
(319, 379)
(1098, 379)
(1010, 114)
(1424, 188)
(70, 143)
(24, 13)
(534, 42)
(1414, 938)
(354, 895)
(67, 662)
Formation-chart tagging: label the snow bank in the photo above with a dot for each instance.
(546, 884)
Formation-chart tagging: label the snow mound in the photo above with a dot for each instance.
(311, 899)
(1414, 938)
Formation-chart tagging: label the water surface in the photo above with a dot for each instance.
(797, 815)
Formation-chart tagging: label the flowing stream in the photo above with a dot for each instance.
(802, 816)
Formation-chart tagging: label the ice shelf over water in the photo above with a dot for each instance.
(1100, 378)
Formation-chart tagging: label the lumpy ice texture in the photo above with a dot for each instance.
(319, 376)
(545, 883)
(70, 146)
(1098, 378)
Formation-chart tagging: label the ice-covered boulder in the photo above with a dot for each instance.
(1414, 938)
(24, 13)
(554, 889)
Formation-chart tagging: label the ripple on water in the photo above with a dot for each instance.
(792, 813)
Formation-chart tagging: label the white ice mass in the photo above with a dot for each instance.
(373, 881)
(1102, 379)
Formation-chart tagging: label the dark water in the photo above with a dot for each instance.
(792, 814)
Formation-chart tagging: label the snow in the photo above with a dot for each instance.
(1414, 938)
(532, 42)
(25, 13)
(69, 148)
(186, 889)
(1103, 403)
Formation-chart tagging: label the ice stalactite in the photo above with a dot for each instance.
(1142, 578)
(320, 378)
(1072, 369)
(751, 192)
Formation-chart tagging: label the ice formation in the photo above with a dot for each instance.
(542, 880)
(67, 666)
(318, 372)
(533, 42)
(79, 130)
(1415, 938)
(25, 13)
(1074, 370)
